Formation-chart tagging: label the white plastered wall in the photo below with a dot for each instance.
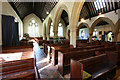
(8, 10)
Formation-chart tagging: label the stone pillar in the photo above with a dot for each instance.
(55, 34)
(44, 36)
(48, 36)
(77, 33)
(114, 36)
(73, 35)
(90, 37)
(67, 37)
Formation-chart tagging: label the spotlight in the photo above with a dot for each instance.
(82, 20)
(47, 12)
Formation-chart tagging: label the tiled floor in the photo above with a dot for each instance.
(49, 72)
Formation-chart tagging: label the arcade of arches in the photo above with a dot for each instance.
(47, 31)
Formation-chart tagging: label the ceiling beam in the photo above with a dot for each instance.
(13, 6)
(86, 4)
(116, 6)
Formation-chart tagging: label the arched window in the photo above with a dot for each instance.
(109, 36)
(60, 29)
(33, 29)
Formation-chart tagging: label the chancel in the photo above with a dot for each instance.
(60, 39)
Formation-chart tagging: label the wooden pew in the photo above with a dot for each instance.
(64, 58)
(80, 48)
(55, 50)
(17, 47)
(66, 48)
(47, 44)
(17, 50)
(48, 49)
(97, 66)
(18, 66)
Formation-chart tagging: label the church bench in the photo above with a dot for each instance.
(48, 48)
(79, 44)
(55, 50)
(43, 43)
(17, 50)
(18, 67)
(97, 66)
(80, 48)
(64, 58)
(48, 43)
(67, 49)
(17, 47)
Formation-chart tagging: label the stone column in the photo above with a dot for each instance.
(44, 36)
(55, 34)
(115, 37)
(90, 37)
(73, 35)
(48, 36)
(67, 35)
(77, 33)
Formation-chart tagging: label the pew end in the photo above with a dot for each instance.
(76, 70)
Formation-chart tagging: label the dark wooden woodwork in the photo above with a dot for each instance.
(97, 66)
(17, 50)
(17, 47)
(38, 8)
(64, 57)
(55, 50)
(24, 68)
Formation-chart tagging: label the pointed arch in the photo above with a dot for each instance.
(81, 24)
(58, 15)
(105, 19)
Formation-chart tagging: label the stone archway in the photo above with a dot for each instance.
(110, 22)
(77, 7)
(58, 16)
(104, 19)
(81, 24)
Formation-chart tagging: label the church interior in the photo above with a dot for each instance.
(60, 39)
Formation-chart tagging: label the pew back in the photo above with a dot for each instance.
(96, 66)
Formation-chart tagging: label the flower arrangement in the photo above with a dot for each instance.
(26, 36)
(56, 40)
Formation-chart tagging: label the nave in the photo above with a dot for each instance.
(61, 40)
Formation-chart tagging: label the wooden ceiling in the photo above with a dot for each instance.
(39, 8)
(89, 9)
